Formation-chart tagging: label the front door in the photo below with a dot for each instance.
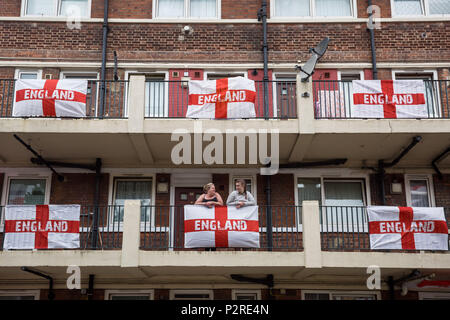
(183, 196)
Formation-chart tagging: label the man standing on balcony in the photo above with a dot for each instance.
(241, 197)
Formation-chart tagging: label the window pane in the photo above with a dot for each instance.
(154, 98)
(26, 191)
(343, 194)
(408, 7)
(246, 296)
(203, 8)
(317, 296)
(74, 8)
(40, 7)
(28, 75)
(129, 297)
(308, 189)
(439, 6)
(292, 8)
(327, 8)
(354, 297)
(16, 297)
(133, 190)
(419, 193)
(171, 8)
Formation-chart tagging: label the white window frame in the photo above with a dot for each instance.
(219, 72)
(18, 72)
(128, 73)
(429, 179)
(65, 73)
(437, 105)
(331, 293)
(312, 13)
(434, 295)
(19, 175)
(187, 10)
(253, 181)
(363, 179)
(113, 178)
(425, 11)
(110, 293)
(236, 292)
(57, 6)
(32, 293)
(174, 292)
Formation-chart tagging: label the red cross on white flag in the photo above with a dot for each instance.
(42, 227)
(221, 227)
(221, 99)
(50, 98)
(389, 99)
(417, 228)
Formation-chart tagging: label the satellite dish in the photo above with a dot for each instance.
(308, 69)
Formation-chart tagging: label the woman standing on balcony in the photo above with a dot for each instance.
(210, 197)
(241, 197)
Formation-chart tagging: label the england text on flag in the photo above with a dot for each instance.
(42, 226)
(222, 99)
(389, 99)
(50, 98)
(407, 228)
(221, 226)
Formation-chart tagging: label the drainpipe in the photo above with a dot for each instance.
(269, 213)
(98, 177)
(103, 72)
(372, 42)
(51, 293)
(262, 15)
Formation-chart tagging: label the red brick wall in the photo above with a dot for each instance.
(391, 199)
(60, 294)
(385, 8)
(10, 8)
(282, 193)
(442, 190)
(411, 295)
(232, 9)
(225, 42)
(137, 9)
(78, 188)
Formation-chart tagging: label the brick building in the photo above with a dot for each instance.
(341, 163)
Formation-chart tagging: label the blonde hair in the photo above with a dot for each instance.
(207, 186)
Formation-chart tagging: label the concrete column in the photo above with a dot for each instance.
(131, 233)
(136, 103)
(311, 234)
(305, 106)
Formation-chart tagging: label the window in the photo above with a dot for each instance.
(215, 76)
(129, 295)
(434, 295)
(133, 189)
(323, 295)
(156, 89)
(420, 7)
(52, 8)
(19, 295)
(432, 88)
(418, 189)
(191, 295)
(28, 74)
(26, 191)
(246, 295)
(308, 8)
(187, 8)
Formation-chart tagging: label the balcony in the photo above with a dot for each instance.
(161, 228)
(334, 99)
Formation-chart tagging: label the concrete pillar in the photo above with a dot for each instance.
(131, 233)
(311, 234)
(305, 106)
(136, 103)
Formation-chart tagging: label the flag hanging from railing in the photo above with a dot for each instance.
(389, 99)
(232, 98)
(221, 227)
(407, 228)
(42, 227)
(50, 98)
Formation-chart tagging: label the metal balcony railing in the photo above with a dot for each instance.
(334, 99)
(170, 99)
(162, 228)
(100, 227)
(347, 228)
(114, 102)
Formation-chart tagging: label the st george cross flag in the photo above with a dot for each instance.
(42, 227)
(389, 99)
(407, 228)
(232, 98)
(221, 227)
(50, 98)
